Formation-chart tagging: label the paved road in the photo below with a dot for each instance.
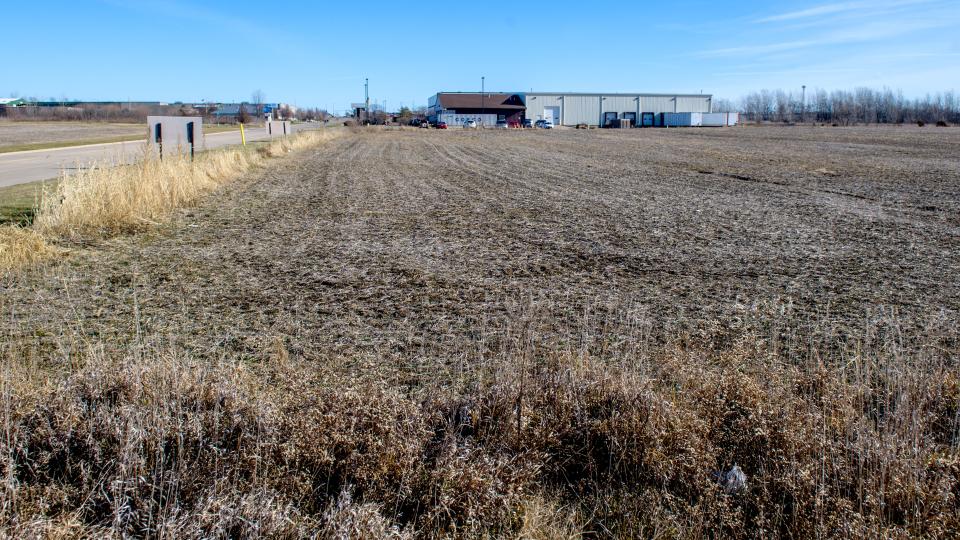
(31, 165)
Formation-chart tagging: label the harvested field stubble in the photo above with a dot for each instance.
(413, 334)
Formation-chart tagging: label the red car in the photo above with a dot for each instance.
(441, 125)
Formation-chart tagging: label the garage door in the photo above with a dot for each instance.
(552, 114)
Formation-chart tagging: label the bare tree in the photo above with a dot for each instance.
(723, 105)
(242, 115)
(862, 105)
(782, 105)
(258, 98)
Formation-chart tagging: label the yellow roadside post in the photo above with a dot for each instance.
(243, 138)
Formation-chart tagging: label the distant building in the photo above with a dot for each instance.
(230, 112)
(74, 103)
(6, 103)
(564, 108)
(605, 109)
(486, 109)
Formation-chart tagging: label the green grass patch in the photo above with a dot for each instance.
(18, 203)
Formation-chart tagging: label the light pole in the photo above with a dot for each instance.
(483, 98)
(803, 103)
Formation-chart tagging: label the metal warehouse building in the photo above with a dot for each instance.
(571, 109)
(603, 109)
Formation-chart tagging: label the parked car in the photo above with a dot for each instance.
(441, 125)
(502, 124)
(527, 122)
(470, 124)
(544, 124)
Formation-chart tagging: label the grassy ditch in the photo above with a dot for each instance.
(100, 201)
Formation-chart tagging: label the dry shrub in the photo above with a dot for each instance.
(547, 520)
(555, 446)
(345, 520)
(21, 246)
(108, 200)
(159, 444)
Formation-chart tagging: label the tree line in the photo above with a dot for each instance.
(845, 107)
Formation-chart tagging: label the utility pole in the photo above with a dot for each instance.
(803, 103)
(483, 98)
(366, 99)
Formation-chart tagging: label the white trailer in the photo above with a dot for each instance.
(718, 119)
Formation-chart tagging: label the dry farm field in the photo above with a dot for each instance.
(33, 135)
(414, 333)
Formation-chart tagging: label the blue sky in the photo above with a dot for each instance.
(317, 53)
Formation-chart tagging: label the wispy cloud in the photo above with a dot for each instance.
(864, 33)
(839, 7)
(827, 9)
(760, 49)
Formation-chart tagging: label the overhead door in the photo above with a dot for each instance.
(552, 114)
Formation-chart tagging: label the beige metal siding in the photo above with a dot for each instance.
(581, 110)
(586, 108)
(536, 103)
(657, 104)
(693, 104)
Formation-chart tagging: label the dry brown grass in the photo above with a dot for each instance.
(20, 246)
(557, 446)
